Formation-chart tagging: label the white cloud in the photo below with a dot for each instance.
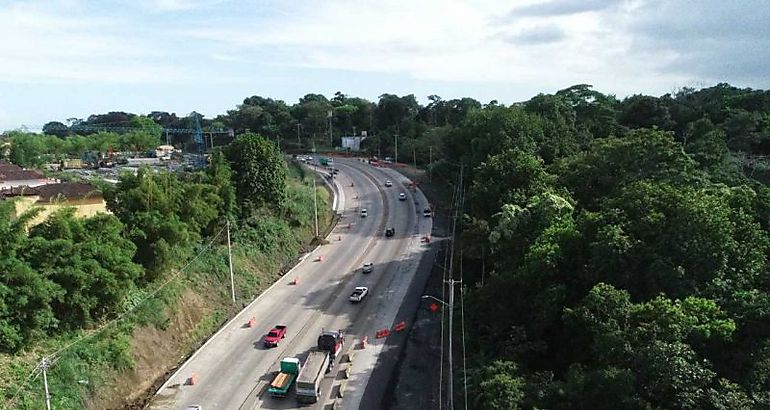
(452, 41)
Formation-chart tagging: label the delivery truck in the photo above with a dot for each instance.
(290, 369)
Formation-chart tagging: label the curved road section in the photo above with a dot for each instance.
(233, 369)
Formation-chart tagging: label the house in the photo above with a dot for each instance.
(13, 176)
(85, 198)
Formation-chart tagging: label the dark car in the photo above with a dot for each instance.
(390, 232)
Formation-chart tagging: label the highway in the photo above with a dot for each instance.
(233, 369)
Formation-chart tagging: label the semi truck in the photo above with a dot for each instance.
(290, 368)
(319, 362)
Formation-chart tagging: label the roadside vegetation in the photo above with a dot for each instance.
(624, 247)
(614, 251)
(85, 292)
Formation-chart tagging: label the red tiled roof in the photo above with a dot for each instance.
(23, 175)
(68, 190)
(18, 191)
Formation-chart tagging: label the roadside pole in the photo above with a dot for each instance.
(315, 206)
(230, 257)
(44, 367)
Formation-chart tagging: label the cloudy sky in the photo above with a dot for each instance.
(71, 58)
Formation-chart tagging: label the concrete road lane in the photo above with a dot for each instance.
(233, 368)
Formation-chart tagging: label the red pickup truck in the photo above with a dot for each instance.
(275, 335)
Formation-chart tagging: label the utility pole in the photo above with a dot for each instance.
(395, 160)
(414, 158)
(315, 206)
(430, 164)
(299, 144)
(230, 257)
(331, 144)
(44, 363)
(167, 143)
(451, 283)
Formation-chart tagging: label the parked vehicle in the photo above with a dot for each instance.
(359, 294)
(390, 232)
(368, 267)
(274, 336)
(290, 368)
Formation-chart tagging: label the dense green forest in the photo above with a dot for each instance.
(76, 288)
(616, 252)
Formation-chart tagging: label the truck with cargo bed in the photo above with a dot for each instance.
(310, 376)
(290, 368)
(319, 362)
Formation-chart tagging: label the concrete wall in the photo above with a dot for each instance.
(84, 208)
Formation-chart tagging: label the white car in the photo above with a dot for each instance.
(359, 294)
(402, 197)
(388, 183)
(368, 267)
(427, 213)
(364, 214)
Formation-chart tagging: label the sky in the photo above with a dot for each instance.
(71, 58)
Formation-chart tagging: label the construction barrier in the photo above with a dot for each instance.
(192, 380)
(399, 326)
(382, 333)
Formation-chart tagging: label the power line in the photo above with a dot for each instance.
(51, 359)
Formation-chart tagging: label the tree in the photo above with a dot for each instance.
(496, 386)
(259, 170)
(56, 128)
(89, 259)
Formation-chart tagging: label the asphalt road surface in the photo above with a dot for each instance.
(233, 369)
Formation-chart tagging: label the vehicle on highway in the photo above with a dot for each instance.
(325, 161)
(336, 171)
(363, 213)
(332, 342)
(368, 267)
(319, 362)
(427, 213)
(388, 183)
(359, 294)
(194, 407)
(290, 368)
(402, 197)
(274, 336)
(390, 232)
(310, 376)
